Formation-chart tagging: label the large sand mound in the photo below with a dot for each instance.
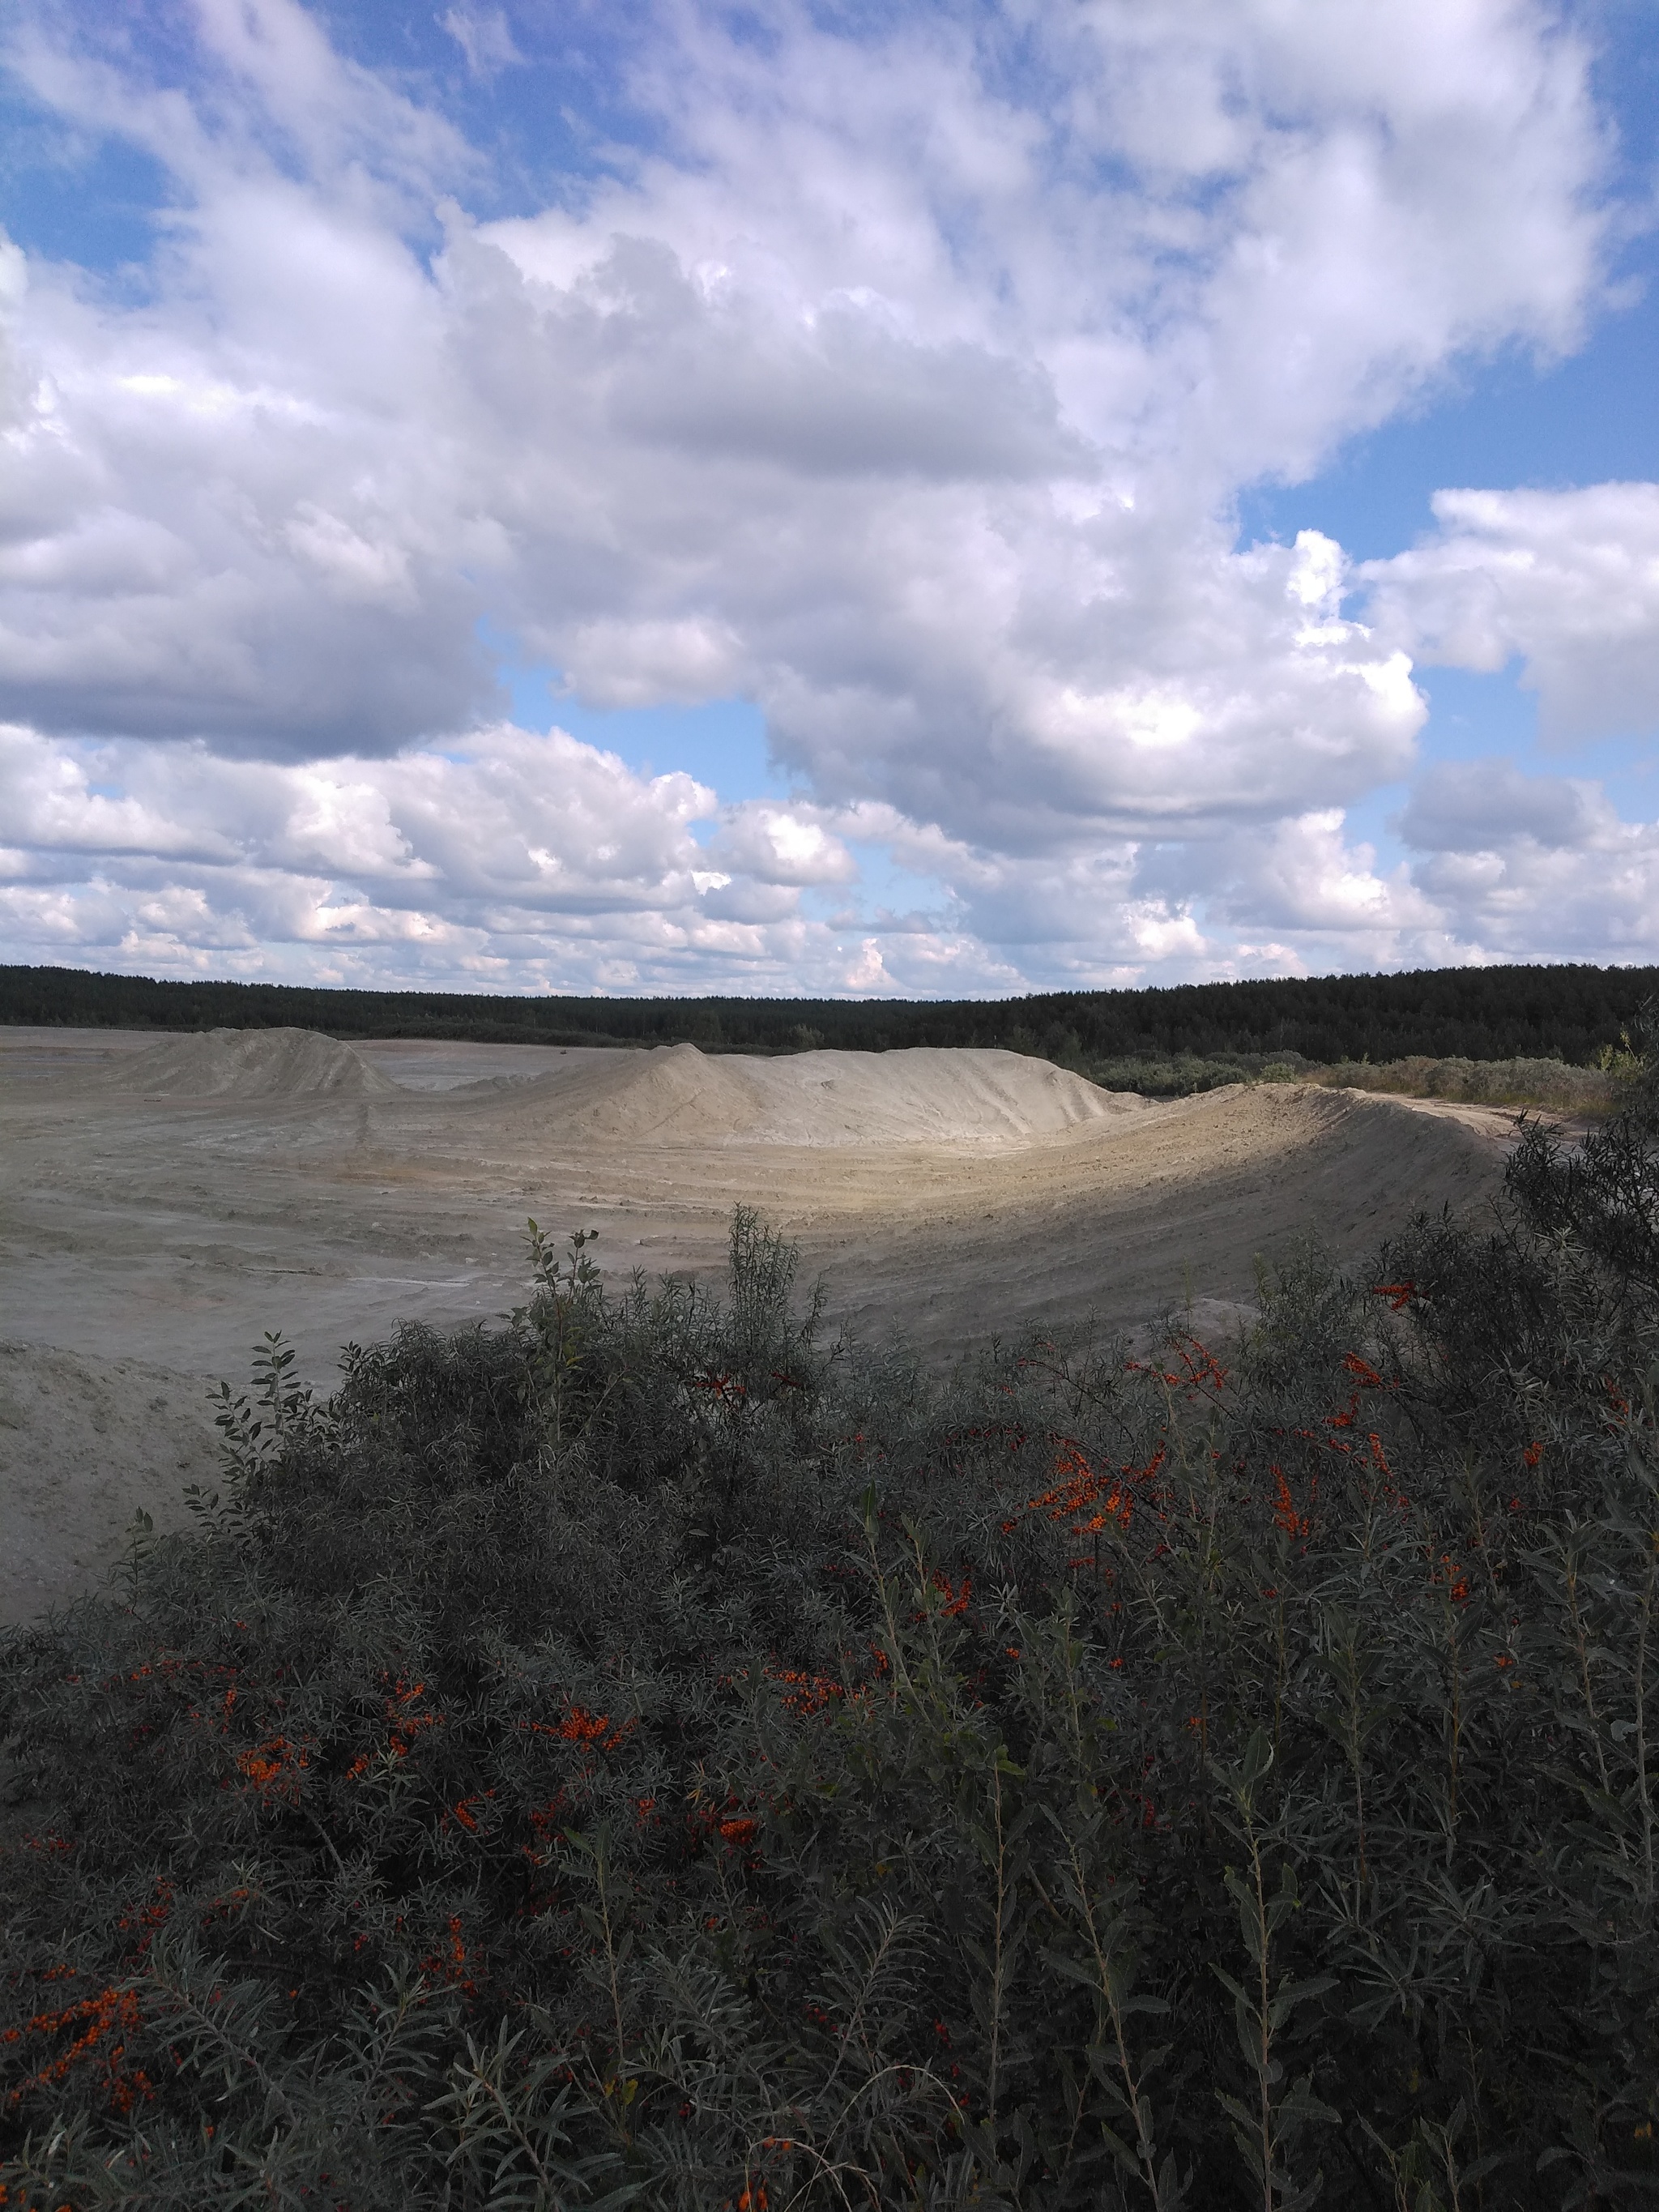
(251, 1063)
(675, 1095)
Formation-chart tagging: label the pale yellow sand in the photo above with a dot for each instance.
(164, 1201)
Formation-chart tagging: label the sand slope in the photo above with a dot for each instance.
(678, 1096)
(84, 1444)
(1182, 1203)
(250, 1064)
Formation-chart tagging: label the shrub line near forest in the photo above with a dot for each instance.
(647, 1754)
(1565, 1012)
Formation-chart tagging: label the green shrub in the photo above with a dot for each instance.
(1545, 1083)
(1550, 1084)
(644, 1754)
(1185, 1074)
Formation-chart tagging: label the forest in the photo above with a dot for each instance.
(1566, 1013)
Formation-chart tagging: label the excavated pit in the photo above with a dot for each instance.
(163, 1202)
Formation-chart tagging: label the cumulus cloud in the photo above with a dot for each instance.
(901, 383)
(1475, 806)
(1517, 865)
(1567, 582)
(518, 859)
(528, 862)
(782, 845)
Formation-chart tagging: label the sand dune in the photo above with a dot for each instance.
(166, 1203)
(249, 1064)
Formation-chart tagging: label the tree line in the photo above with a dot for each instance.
(1569, 1011)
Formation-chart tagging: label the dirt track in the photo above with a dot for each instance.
(162, 1203)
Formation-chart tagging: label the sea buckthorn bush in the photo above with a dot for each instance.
(649, 1754)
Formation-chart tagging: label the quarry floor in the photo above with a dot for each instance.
(154, 1226)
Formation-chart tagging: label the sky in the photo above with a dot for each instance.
(952, 499)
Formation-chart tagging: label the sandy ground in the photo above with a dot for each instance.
(164, 1202)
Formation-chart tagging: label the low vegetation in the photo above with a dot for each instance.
(1550, 1084)
(644, 1754)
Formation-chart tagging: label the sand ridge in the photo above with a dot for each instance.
(678, 1096)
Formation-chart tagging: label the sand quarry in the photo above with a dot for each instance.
(165, 1200)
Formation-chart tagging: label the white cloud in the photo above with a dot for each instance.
(357, 569)
(782, 845)
(1520, 865)
(484, 36)
(1568, 581)
(903, 387)
(869, 971)
(517, 860)
(515, 856)
(618, 663)
(1305, 881)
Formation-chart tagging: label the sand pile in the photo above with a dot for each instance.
(924, 1096)
(675, 1095)
(251, 1063)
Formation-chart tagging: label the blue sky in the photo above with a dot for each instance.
(954, 500)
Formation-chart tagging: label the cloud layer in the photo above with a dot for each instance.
(901, 382)
(1566, 581)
